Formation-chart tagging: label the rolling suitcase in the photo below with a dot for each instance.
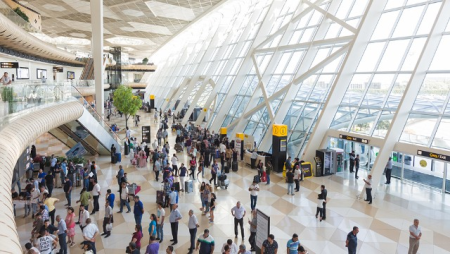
(227, 169)
(234, 166)
(160, 197)
(189, 186)
(118, 157)
(176, 186)
(257, 179)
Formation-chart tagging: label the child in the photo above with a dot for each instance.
(320, 202)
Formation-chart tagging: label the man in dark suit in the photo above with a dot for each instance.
(324, 193)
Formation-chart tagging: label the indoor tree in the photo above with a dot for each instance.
(126, 102)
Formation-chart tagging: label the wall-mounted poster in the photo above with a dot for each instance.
(23, 73)
(70, 75)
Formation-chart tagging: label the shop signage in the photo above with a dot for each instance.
(9, 65)
(355, 139)
(433, 155)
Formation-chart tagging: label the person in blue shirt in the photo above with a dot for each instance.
(41, 176)
(292, 245)
(64, 168)
(138, 210)
(152, 225)
(110, 197)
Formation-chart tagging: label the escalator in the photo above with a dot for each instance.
(94, 138)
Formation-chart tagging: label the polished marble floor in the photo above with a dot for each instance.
(383, 225)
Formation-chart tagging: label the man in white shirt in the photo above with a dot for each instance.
(368, 187)
(192, 225)
(297, 176)
(415, 233)
(254, 189)
(34, 199)
(161, 215)
(233, 247)
(90, 232)
(84, 215)
(95, 195)
(128, 133)
(222, 148)
(238, 212)
(174, 161)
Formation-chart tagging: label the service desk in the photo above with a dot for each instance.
(263, 156)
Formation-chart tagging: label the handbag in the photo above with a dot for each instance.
(109, 227)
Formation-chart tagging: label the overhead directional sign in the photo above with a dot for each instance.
(355, 139)
(433, 155)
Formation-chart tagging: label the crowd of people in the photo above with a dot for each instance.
(207, 152)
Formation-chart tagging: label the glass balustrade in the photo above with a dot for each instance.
(21, 97)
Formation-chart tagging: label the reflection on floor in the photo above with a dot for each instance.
(383, 225)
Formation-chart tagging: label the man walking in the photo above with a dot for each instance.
(415, 233)
(107, 219)
(254, 188)
(192, 225)
(161, 214)
(138, 211)
(352, 240)
(206, 243)
(238, 212)
(356, 166)
(324, 193)
(388, 170)
(174, 217)
(68, 191)
(96, 194)
(290, 182)
(368, 187)
(62, 235)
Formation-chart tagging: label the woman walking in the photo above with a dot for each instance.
(70, 223)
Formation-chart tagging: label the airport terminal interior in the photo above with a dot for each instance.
(350, 96)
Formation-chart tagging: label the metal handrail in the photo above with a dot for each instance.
(97, 116)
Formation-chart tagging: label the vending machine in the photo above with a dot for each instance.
(326, 158)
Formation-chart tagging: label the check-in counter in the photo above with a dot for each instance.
(263, 156)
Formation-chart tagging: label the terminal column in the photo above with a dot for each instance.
(97, 52)
(279, 146)
(152, 102)
(223, 133)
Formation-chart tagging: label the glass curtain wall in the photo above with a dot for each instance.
(283, 71)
